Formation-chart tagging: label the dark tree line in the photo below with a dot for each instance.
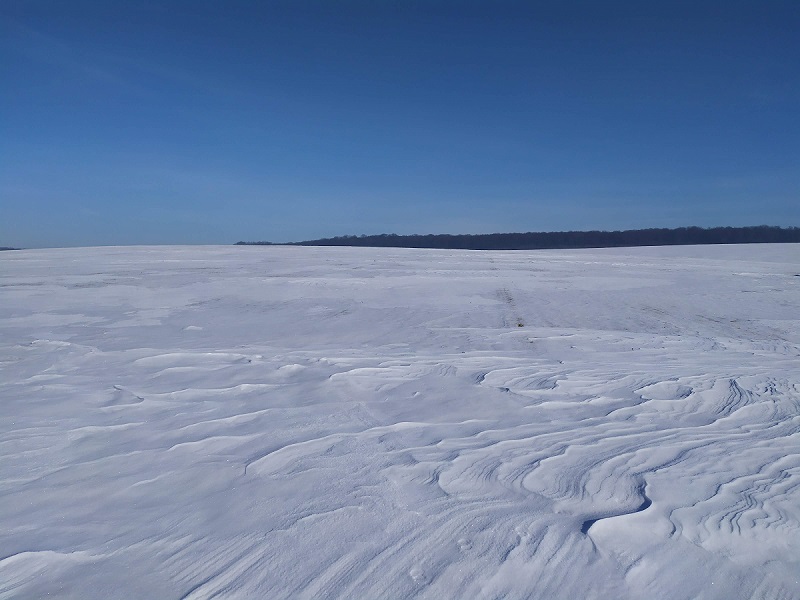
(567, 239)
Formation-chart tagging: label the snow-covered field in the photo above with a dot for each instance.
(279, 422)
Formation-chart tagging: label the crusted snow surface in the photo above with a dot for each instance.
(282, 422)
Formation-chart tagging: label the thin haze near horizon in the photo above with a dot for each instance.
(204, 122)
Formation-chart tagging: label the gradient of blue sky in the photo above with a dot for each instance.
(211, 122)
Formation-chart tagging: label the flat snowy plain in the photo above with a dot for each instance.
(281, 422)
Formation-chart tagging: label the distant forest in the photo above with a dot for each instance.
(565, 239)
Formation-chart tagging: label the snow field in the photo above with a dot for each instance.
(285, 422)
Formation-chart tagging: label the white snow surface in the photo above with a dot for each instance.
(286, 422)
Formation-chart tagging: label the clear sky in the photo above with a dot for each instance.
(216, 121)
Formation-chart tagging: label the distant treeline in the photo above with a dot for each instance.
(7, 248)
(566, 239)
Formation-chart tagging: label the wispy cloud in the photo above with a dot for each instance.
(128, 71)
(44, 48)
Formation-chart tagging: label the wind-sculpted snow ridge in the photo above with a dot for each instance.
(290, 422)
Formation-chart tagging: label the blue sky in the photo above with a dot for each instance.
(211, 122)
